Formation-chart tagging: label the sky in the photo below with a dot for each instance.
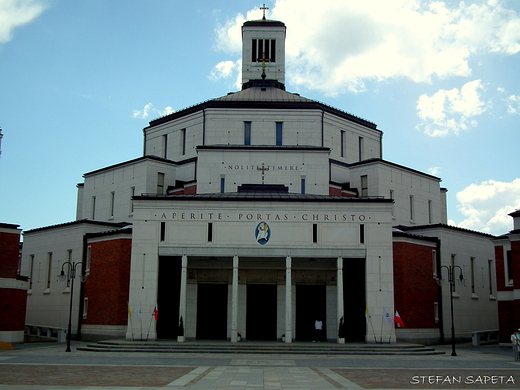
(79, 80)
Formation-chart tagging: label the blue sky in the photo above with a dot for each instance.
(79, 80)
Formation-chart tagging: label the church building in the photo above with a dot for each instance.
(254, 215)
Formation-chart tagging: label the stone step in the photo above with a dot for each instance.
(260, 348)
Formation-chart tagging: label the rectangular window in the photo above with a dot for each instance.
(472, 269)
(279, 133)
(342, 143)
(361, 147)
(163, 231)
(302, 184)
(453, 272)
(160, 183)
(183, 142)
(261, 47)
(361, 234)
(364, 186)
(85, 307)
(247, 133)
(314, 233)
(509, 267)
(222, 185)
(165, 145)
(254, 55)
(132, 194)
(31, 264)
(412, 208)
(49, 269)
(210, 232)
(112, 203)
(434, 264)
(490, 276)
(88, 260)
(93, 208)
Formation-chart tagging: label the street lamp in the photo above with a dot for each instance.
(71, 275)
(451, 281)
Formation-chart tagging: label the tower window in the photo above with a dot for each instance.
(247, 133)
(261, 47)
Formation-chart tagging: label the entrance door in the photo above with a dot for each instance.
(310, 306)
(212, 304)
(354, 299)
(261, 312)
(168, 296)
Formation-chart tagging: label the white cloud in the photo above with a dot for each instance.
(486, 206)
(15, 13)
(447, 112)
(340, 45)
(435, 171)
(513, 104)
(227, 70)
(149, 109)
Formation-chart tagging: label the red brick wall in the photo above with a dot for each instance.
(9, 253)
(506, 320)
(12, 309)
(415, 290)
(108, 282)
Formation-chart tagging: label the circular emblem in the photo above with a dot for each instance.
(262, 233)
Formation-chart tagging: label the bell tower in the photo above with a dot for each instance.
(263, 52)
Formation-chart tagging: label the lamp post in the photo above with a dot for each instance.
(451, 281)
(71, 275)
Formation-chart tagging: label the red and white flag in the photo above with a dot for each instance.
(156, 312)
(398, 320)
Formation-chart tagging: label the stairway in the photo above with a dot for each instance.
(259, 348)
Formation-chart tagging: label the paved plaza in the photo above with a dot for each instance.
(46, 366)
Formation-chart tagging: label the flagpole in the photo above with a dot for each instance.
(130, 320)
(149, 327)
(141, 321)
(373, 330)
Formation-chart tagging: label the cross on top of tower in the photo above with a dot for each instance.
(264, 8)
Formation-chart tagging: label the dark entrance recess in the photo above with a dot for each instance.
(354, 299)
(212, 302)
(168, 291)
(310, 306)
(261, 312)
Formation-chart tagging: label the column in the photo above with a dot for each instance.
(339, 284)
(288, 300)
(182, 303)
(234, 302)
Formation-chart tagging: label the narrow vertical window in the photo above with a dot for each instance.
(472, 265)
(361, 234)
(210, 232)
(393, 203)
(247, 133)
(165, 145)
(183, 142)
(261, 51)
(266, 49)
(279, 133)
(364, 186)
(49, 269)
(85, 307)
(160, 183)
(412, 208)
(314, 233)
(222, 184)
(490, 276)
(112, 203)
(342, 145)
(273, 50)
(163, 231)
(509, 268)
(31, 264)
(254, 55)
(434, 264)
(453, 270)
(302, 185)
(132, 194)
(361, 147)
(93, 213)
(88, 260)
